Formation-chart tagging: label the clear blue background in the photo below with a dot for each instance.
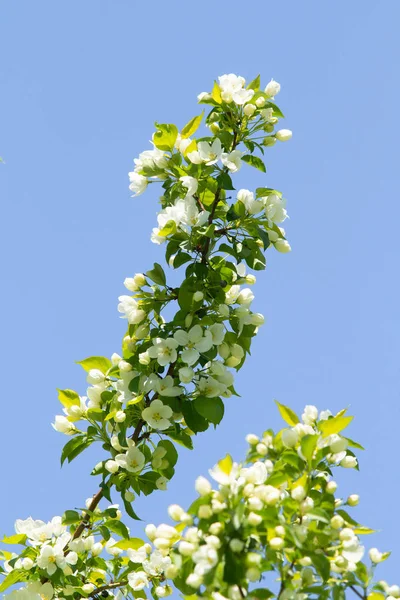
(81, 84)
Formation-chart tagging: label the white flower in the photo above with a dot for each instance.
(182, 144)
(245, 297)
(310, 414)
(195, 157)
(129, 307)
(191, 216)
(133, 284)
(164, 351)
(247, 198)
(210, 387)
(190, 183)
(165, 387)
(94, 394)
(186, 374)
(157, 564)
(138, 183)
(272, 88)
(157, 415)
(139, 555)
(151, 159)
(133, 460)
(210, 153)
(232, 89)
(50, 558)
(176, 512)
(267, 115)
(195, 342)
(63, 425)
(138, 580)
(174, 213)
(275, 209)
(232, 160)
(283, 135)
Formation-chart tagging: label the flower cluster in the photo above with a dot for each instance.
(173, 375)
(275, 512)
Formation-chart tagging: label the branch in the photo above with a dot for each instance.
(357, 593)
(108, 586)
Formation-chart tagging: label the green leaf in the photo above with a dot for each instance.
(165, 136)
(172, 454)
(157, 274)
(255, 84)
(334, 425)
(225, 181)
(191, 127)
(70, 517)
(19, 538)
(287, 414)
(216, 93)
(68, 398)
(180, 259)
(254, 161)
(130, 543)
(183, 439)
(129, 510)
(74, 447)
(276, 110)
(193, 419)
(260, 593)
(15, 576)
(118, 527)
(95, 362)
(317, 514)
(168, 229)
(354, 444)
(211, 409)
(308, 445)
(338, 593)
(322, 565)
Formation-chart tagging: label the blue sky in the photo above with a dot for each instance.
(81, 85)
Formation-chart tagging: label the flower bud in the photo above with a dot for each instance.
(273, 88)
(270, 140)
(253, 574)
(282, 246)
(194, 580)
(171, 571)
(290, 437)
(252, 439)
(394, 590)
(129, 496)
(349, 462)
(331, 487)
(353, 499)
(186, 374)
(204, 512)
(216, 528)
(337, 522)
(198, 296)
(249, 110)
(254, 519)
(88, 588)
(111, 466)
(262, 449)
(97, 548)
(27, 563)
(175, 512)
(305, 561)
(150, 531)
(142, 331)
(236, 545)
(115, 358)
(276, 543)
(307, 505)
(283, 135)
(202, 486)
(186, 548)
(375, 556)
(260, 101)
(144, 358)
(188, 320)
(124, 366)
(214, 128)
(298, 493)
(257, 319)
(120, 416)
